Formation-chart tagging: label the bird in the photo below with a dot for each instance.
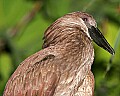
(63, 66)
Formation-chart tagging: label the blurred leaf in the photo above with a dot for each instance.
(56, 9)
(5, 69)
(12, 11)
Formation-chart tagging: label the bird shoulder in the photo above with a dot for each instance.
(37, 77)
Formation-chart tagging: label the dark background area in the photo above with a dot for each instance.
(23, 22)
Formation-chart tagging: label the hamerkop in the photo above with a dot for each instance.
(63, 66)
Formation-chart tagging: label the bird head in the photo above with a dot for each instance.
(94, 33)
(81, 20)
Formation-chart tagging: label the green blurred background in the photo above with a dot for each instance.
(23, 22)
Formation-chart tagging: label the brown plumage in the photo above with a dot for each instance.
(63, 66)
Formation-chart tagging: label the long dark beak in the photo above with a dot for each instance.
(100, 40)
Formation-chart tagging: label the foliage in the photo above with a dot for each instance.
(23, 22)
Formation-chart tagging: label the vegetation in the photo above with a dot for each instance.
(23, 22)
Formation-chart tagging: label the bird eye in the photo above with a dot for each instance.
(84, 19)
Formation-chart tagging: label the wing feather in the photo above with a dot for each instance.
(36, 76)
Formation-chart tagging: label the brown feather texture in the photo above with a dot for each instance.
(63, 66)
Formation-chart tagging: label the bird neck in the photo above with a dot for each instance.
(73, 43)
(80, 48)
(76, 49)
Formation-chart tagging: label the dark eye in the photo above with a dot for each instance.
(84, 19)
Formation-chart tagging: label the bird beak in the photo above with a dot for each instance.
(100, 40)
